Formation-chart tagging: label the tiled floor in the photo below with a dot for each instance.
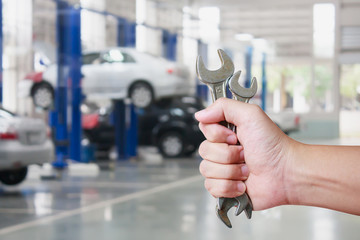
(137, 201)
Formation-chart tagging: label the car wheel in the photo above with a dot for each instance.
(13, 177)
(43, 96)
(190, 152)
(141, 95)
(171, 145)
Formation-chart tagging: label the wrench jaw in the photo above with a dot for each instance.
(240, 93)
(242, 203)
(222, 208)
(223, 217)
(245, 204)
(221, 75)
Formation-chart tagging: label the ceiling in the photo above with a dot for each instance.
(287, 25)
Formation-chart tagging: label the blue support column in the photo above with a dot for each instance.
(69, 71)
(172, 43)
(59, 116)
(120, 128)
(169, 42)
(165, 39)
(125, 117)
(248, 64)
(131, 131)
(125, 123)
(202, 90)
(75, 77)
(264, 83)
(1, 53)
(126, 33)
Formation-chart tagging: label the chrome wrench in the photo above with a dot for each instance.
(217, 81)
(243, 202)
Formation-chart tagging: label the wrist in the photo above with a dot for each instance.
(294, 172)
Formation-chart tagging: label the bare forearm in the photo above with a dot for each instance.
(325, 176)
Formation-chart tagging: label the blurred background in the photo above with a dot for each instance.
(97, 134)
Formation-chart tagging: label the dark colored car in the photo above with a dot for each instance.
(168, 123)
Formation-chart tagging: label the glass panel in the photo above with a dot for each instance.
(323, 76)
(350, 87)
(90, 58)
(289, 87)
(128, 58)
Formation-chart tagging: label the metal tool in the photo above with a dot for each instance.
(243, 202)
(217, 81)
(240, 93)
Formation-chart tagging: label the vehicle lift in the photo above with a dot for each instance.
(68, 73)
(69, 57)
(124, 116)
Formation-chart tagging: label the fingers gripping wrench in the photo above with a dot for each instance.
(217, 81)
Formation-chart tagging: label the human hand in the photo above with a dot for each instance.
(264, 147)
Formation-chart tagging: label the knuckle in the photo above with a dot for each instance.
(256, 109)
(207, 185)
(202, 168)
(201, 127)
(212, 133)
(202, 149)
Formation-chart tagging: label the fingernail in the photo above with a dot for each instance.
(245, 170)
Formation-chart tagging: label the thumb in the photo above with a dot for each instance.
(225, 109)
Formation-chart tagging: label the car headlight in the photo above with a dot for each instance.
(177, 112)
(164, 118)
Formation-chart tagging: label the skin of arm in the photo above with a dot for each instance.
(271, 167)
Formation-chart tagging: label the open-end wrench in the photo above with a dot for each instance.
(216, 81)
(243, 202)
(240, 93)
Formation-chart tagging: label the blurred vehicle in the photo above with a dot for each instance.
(23, 141)
(286, 120)
(114, 73)
(168, 123)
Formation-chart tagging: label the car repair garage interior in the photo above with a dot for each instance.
(98, 134)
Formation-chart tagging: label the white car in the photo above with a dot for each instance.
(115, 73)
(23, 141)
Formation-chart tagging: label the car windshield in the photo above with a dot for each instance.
(90, 58)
